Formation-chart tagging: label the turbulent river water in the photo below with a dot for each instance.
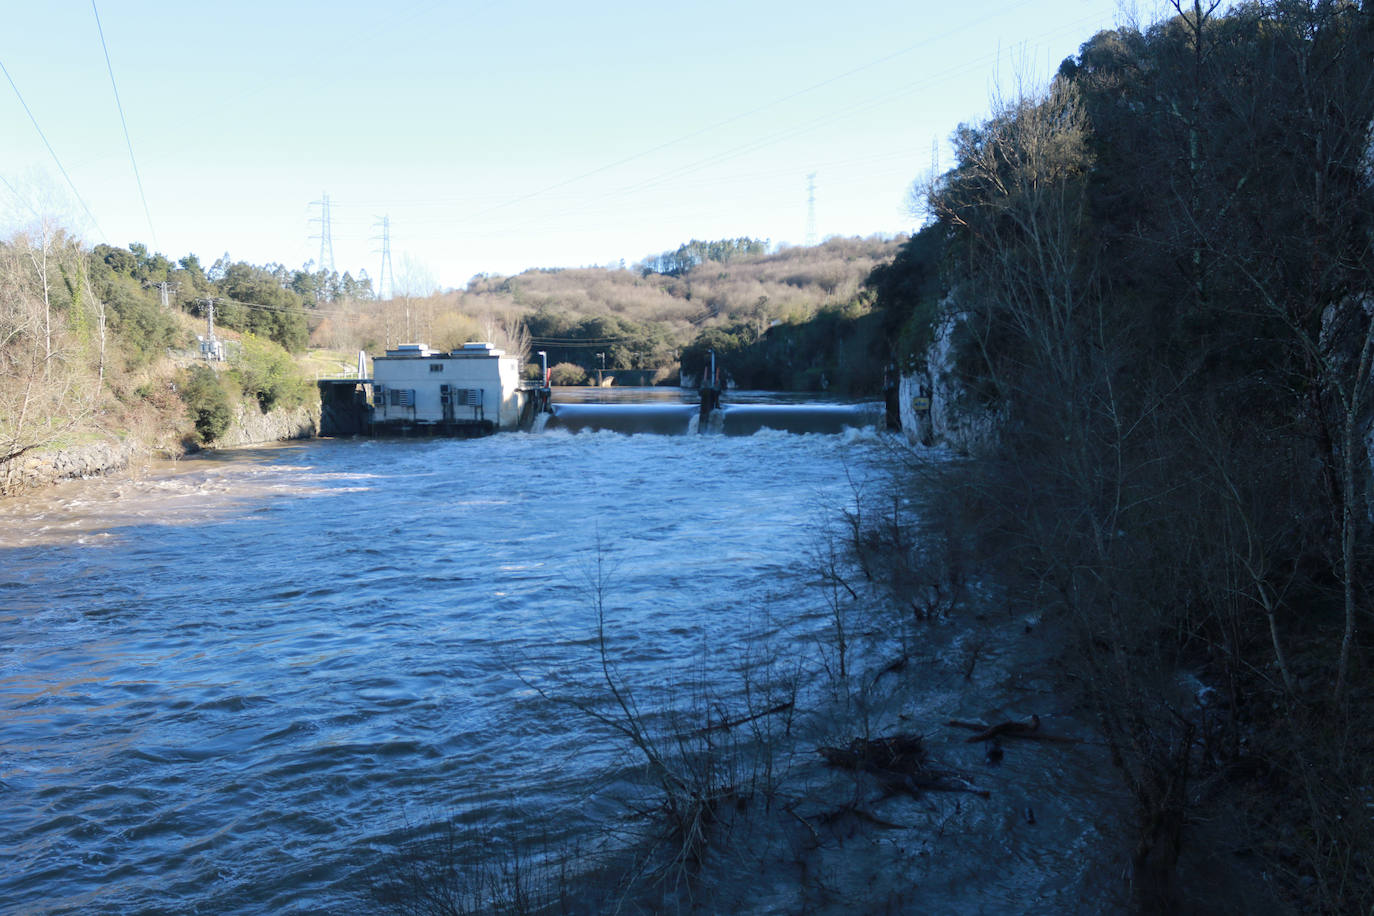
(232, 684)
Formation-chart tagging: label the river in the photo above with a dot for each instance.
(233, 684)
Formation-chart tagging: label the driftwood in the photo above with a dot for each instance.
(728, 724)
(893, 667)
(900, 763)
(899, 753)
(1028, 730)
(859, 814)
(948, 781)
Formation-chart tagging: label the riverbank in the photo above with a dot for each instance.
(116, 454)
(846, 770)
(836, 770)
(838, 788)
(39, 469)
(1033, 821)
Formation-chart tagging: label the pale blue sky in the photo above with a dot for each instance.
(501, 135)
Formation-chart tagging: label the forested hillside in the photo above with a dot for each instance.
(1156, 276)
(1160, 274)
(660, 314)
(101, 341)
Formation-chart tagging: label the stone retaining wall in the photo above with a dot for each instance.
(44, 468)
(253, 427)
(41, 469)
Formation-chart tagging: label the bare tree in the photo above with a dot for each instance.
(1308, 275)
(45, 390)
(415, 285)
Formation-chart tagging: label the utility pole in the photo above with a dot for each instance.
(210, 347)
(326, 235)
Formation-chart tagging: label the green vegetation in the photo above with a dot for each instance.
(96, 341)
(118, 278)
(1160, 273)
(269, 301)
(658, 316)
(1162, 270)
(207, 401)
(105, 332)
(623, 343)
(262, 372)
(53, 335)
(907, 294)
(567, 374)
(258, 300)
(693, 253)
(840, 348)
(266, 372)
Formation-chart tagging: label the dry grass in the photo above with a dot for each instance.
(788, 285)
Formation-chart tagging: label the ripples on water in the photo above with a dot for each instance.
(233, 684)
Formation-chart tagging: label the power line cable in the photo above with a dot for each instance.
(575, 343)
(286, 309)
(737, 117)
(672, 176)
(898, 162)
(796, 130)
(20, 197)
(575, 346)
(71, 184)
(138, 179)
(749, 113)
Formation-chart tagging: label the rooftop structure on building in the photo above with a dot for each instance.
(472, 390)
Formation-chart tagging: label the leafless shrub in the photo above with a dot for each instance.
(52, 342)
(463, 868)
(905, 547)
(704, 758)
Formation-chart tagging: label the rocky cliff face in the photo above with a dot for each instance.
(954, 419)
(252, 427)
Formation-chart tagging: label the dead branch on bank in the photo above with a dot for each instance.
(900, 763)
(727, 724)
(1011, 729)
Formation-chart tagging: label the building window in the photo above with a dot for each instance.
(436, 367)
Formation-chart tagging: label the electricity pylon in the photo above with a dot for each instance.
(326, 235)
(386, 277)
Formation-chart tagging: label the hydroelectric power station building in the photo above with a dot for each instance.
(415, 390)
(476, 389)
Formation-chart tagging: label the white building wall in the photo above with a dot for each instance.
(423, 372)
